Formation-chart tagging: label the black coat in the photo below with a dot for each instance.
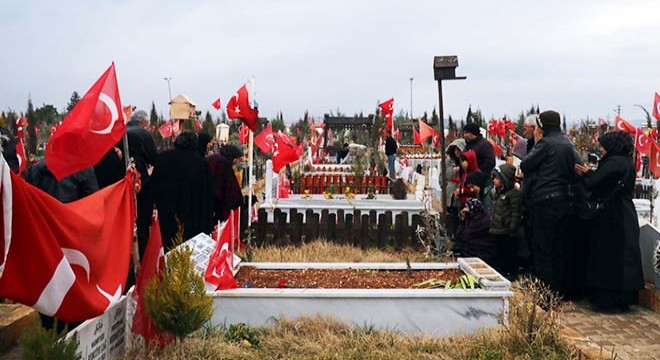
(390, 146)
(475, 238)
(549, 169)
(70, 188)
(485, 153)
(614, 260)
(227, 195)
(9, 149)
(181, 189)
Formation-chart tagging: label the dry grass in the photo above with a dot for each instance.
(323, 251)
(532, 333)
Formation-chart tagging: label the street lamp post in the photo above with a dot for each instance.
(444, 68)
(411, 99)
(169, 89)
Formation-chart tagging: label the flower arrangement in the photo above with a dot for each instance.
(306, 195)
(328, 193)
(349, 193)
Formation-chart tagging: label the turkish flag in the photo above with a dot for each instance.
(20, 154)
(496, 148)
(642, 141)
(265, 139)
(90, 130)
(654, 159)
(198, 125)
(656, 107)
(239, 107)
(623, 125)
(425, 130)
(284, 151)
(387, 109)
(65, 260)
(219, 270)
(153, 264)
(492, 127)
(416, 138)
(166, 130)
(244, 134)
(216, 104)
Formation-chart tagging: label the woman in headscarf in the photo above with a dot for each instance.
(474, 233)
(614, 270)
(182, 191)
(227, 193)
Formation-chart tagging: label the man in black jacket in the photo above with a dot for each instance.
(482, 147)
(390, 150)
(9, 149)
(551, 164)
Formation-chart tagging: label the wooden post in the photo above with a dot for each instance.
(262, 223)
(297, 222)
(341, 227)
(348, 229)
(382, 231)
(355, 239)
(332, 227)
(365, 239)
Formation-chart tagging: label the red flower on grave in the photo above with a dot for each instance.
(282, 283)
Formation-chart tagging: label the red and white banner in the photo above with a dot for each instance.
(221, 261)
(656, 107)
(166, 130)
(65, 260)
(153, 265)
(654, 159)
(265, 139)
(216, 104)
(387, 109)
(642, 142)
(425, 130)
(623, 125)
(284, 151)
(90, 130)
(239, 107)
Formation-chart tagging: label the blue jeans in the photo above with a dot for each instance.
(390, 162)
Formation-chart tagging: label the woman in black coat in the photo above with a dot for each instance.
(474, 234)
(182, 190)
(614, 270)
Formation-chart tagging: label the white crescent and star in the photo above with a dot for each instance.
(114, 114)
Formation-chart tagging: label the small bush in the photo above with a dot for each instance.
(47, 344)
(177, 302)
(242, 334)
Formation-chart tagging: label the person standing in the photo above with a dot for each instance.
(9, 149)
(181, 190)
(555, 247)
(342, 154)
(614, 273)
(482, 147)
(390, 151)
(142, 149)
(227, 195)
(506, 218)
(70, 188)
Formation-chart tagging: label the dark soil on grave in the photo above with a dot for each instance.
(252, 277)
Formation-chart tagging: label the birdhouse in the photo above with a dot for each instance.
(181, 107)
(444, 67)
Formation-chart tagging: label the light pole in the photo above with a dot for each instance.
(169, 89)
(411, 103)
(444, 68)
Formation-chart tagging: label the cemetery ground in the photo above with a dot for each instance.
(534, 331)
(540, 327)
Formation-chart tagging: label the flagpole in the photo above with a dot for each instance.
(253, 81)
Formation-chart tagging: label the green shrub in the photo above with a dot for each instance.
(178, 303)
(39, 343)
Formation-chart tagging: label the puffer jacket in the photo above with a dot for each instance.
(551, 164)
(506, 207)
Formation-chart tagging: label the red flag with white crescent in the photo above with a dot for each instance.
(65, 260)
(219, 270)
(20, 154)
(166, 130)
(152, 266)
(94, 125)
(623, 125)
(642, 141)
(654, 159)
(265, 139)
(238, 107)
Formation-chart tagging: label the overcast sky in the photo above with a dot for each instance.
(581, 58)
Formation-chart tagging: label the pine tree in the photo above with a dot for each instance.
(10, 121)
(538, 111)
(468, 117)
(451, 127)
(72, 101)
(31, 146)
(278, 122)
(563, 122)
(154, 123)
(177, 302)
(434, 117)
(208, 126)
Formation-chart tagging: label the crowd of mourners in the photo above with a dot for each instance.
(193, 184)
(519, 220)
(531, 219)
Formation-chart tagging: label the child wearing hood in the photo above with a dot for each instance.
(506, 218)
(468, 166)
